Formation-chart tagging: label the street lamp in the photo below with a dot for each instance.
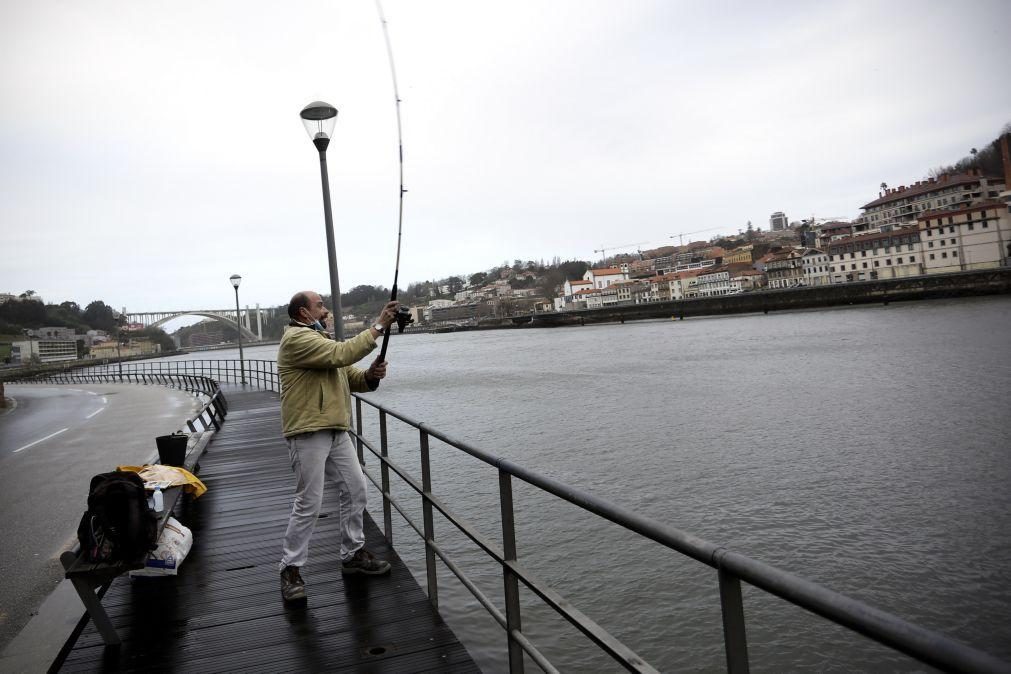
(319, 119)
(236, 280)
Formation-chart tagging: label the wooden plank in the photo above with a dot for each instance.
(224, 610)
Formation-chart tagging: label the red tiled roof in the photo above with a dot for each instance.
(945, 181)
(606, 271)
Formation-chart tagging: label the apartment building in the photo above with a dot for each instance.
(903, 205)
(873, 255)
(785, 268)
(778, 221)
(739, 255)
(815, 267)
(43, 350)
(718, 281)
(977, 237)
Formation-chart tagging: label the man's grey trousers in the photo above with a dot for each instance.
(329, 454)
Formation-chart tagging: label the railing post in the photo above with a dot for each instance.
(734, 636)
(512, 589)
(426, 507)
(384, 470)
(358, 427)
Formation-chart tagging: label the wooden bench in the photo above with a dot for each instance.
(92, 579)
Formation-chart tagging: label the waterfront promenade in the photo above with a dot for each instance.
(224, 612)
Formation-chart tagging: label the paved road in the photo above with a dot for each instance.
(51, 444)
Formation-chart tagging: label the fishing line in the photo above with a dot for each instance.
(403, 316)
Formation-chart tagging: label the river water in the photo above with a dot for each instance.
(863, 448)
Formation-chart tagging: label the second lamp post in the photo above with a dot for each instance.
(236, 280)
(319, 119)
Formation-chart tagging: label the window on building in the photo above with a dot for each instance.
(865, 265)
(930, 232)
(912, 258)
(952, 242)
(930, 244)
(944, 255)
(877, 263)
(888, 262)
(951, 230)
(863, 253)
(985, 224)
(971, 226)
(909, 247)
(931, 256)
(853, 266)
(899, 261)
(954, 253)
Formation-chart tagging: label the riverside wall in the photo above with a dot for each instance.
(959, 284)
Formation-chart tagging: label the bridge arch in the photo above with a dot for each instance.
(247, 334)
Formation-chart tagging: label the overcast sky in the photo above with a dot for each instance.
(148, 150)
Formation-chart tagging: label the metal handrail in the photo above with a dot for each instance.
(260, 374)
(922, 644)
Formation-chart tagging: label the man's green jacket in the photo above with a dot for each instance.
(317, 378)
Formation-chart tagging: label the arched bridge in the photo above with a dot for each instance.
(154, 319)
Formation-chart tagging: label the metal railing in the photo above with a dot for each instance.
(924, 645)
(260, 374)
(211, 413)
(731, 568)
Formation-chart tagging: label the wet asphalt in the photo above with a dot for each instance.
(53, 440)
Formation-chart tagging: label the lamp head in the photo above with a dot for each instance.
(236, 280)
(319, 119)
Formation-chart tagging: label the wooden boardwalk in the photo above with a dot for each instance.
(223, 612)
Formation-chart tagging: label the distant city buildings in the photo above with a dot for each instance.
(778, 221)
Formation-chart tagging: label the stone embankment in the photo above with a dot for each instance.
(960, 284)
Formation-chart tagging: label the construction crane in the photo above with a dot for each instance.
(603, 250)
(681, 237)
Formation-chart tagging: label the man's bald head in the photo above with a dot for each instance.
(301, 300)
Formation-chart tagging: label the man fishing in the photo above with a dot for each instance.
(317, 377)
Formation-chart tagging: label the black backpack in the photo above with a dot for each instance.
(118, 525)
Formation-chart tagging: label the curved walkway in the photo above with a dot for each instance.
(224, 611)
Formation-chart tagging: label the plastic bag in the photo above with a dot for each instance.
(173, 546)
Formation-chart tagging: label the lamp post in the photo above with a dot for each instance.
(236, 280)
(319, 119)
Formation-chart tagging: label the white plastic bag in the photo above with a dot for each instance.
(173, 546)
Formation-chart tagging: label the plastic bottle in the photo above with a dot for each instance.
(159, 500)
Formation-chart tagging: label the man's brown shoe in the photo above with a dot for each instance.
(292, 585)
(367, 563)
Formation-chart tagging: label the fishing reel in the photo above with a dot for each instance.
(404, 318)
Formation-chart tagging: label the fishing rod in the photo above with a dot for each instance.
(404, 317)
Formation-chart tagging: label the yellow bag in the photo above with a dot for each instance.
(172, 475)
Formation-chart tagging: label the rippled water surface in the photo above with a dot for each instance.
(866, 449)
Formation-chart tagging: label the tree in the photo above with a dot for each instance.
(100, 316)
(27, 295)
(455, 284)
(24, 314)
(478, 279)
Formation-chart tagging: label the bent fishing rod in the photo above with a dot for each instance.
(404, 317)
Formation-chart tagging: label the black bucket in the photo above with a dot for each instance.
(172, 449)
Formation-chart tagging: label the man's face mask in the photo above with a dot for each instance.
(316, 325)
